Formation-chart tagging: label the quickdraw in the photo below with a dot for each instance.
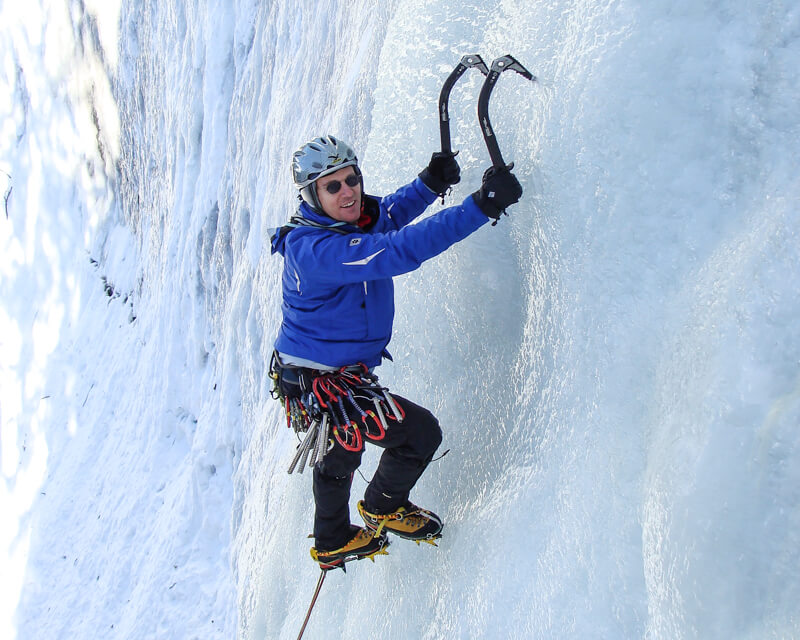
(322, 407)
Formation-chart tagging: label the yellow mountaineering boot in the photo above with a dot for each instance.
(363, 544)
(409, 522)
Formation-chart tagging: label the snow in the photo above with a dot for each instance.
(615, 365)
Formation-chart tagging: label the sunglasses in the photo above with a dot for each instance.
(334, 185)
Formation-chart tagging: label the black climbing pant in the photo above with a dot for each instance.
(408, 448)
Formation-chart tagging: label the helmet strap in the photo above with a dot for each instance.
(309, 196)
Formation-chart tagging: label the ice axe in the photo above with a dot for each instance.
(467, 61)
(499, 65)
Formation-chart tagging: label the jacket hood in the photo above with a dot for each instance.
(306, 217)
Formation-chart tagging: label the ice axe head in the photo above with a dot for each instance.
(505, 63)
(474, 60)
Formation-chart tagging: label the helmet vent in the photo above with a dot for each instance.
(319, 157)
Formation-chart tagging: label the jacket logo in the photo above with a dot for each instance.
(355, 242)
(364, 261)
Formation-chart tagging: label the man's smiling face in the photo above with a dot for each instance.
(344, 203)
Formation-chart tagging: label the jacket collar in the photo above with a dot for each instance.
(369, 216)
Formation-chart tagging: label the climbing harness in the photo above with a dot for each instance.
(345, 405)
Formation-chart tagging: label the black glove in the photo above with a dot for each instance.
(500, 189)
(442, 172)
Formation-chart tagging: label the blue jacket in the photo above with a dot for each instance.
(338, 295)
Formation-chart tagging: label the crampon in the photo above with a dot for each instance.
(364, 544)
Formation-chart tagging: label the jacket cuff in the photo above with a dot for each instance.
(427, 194)
(471, 207)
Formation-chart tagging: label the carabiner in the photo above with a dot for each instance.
(381, 431)
(357, 435)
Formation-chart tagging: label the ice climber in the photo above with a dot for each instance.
(340, 253)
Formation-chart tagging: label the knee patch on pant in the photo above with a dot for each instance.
(427, 436)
